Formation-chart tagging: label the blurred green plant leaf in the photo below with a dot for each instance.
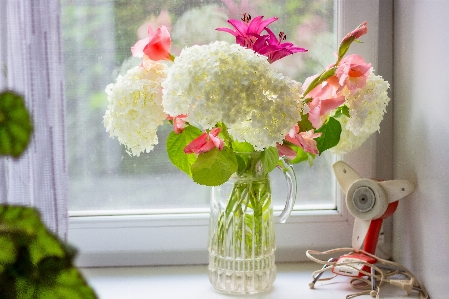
(34, 263)
(15, 124)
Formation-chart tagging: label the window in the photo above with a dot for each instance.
(144, 206)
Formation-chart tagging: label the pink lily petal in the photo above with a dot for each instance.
(319, 112)
(328, 105)
(292, 135)
(352, 72)
(205, 142)
(307, 141)
(240, 27)
(256, 26)
(271, 47)
(159, 46)
(228, 30)
(286, 151)
(293, 140)
(137, 49)
(178, 122)
(247, 34)
(315, 117)
(155, 47)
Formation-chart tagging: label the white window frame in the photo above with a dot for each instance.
(181, 238)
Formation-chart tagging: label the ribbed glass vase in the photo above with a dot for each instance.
(241, 234)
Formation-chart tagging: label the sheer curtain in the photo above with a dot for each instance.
(31, 63)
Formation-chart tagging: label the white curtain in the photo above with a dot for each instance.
(31, 63)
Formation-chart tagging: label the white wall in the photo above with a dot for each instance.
(421, 139)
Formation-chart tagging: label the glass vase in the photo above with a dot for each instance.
(241, 232)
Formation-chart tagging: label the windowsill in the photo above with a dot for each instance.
(191, 282)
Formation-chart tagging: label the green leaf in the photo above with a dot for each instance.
(63, 286)
(242, 147)
(342, 110)
(214, 167)
(330, 135)
(35, 263)
(15, 124)
(175, 148)
(242, 160)
(8, 252)
(305, 124)
(269, 158)
(301, 155)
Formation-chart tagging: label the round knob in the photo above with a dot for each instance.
(363, 199)
(366, 199)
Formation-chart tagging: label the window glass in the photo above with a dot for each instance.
(97, 36)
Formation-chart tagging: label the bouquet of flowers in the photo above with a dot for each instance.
(233, 116)
(224, 98)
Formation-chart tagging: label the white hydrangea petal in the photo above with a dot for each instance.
(366, 108)
(135, 107)
(227, 83)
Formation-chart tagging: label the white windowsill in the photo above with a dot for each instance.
(191, 282)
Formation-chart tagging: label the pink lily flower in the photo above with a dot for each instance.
(325, 98)
(303, 139)
(178, 122)
(356, 33)
(352, 72)
(285, 151)
(155, 47)
(205, 142)
(247, 31)
(273, 48)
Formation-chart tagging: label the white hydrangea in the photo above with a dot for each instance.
(135, 107)
(231, 84)
(366, 108)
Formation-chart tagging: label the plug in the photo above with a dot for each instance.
(404, 284)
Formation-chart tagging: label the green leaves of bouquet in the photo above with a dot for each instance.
(214, 167)
(34, 263)
(15, 124)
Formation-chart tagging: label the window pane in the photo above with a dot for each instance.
(97, 36)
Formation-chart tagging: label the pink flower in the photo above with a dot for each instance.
(325, 98)
(306, 139)
(303, 139)
(352, 72)
(205, 142)
(356, 33)
(178, 122)
(286, 151)
(273, 48)
(155, 47)
(247, 31)
(247, 34)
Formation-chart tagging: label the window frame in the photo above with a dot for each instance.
(181, 238)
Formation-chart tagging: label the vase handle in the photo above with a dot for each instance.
(289, 174)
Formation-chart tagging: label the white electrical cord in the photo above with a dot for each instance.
(380, 274)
